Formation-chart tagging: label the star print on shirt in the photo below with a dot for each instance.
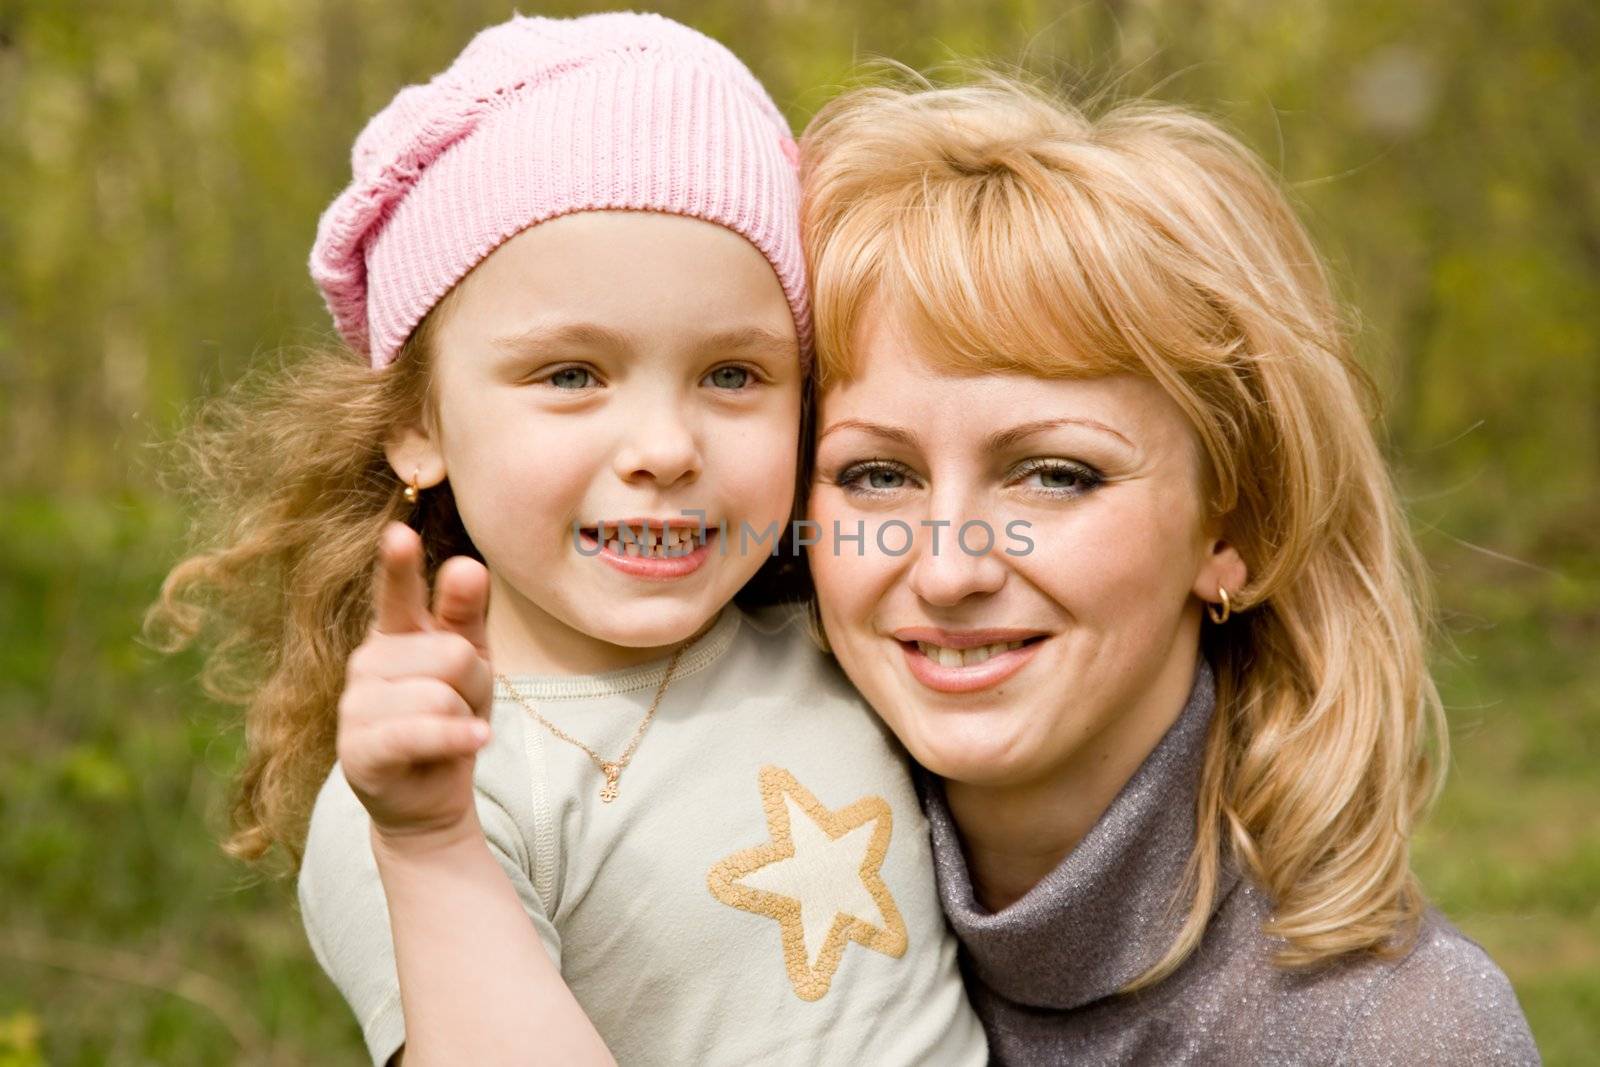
(818, 877)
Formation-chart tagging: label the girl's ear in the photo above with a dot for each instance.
(413, 453)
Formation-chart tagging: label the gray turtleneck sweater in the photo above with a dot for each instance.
(1043, 973)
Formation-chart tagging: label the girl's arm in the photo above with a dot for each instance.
(476, 985)
(475, 981)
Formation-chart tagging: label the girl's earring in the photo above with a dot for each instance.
(411, 490)
(1220, 617)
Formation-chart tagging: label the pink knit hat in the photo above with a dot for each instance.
(544, 117)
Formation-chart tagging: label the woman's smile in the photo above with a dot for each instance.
(1018, 639)
(963, 661)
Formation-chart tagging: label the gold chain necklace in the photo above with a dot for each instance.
(612, 769)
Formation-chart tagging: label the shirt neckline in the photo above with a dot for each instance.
(1106, 913)
(705, 651)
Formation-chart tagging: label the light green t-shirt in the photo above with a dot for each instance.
(761, 890)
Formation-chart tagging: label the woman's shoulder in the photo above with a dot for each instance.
(1445, 1001)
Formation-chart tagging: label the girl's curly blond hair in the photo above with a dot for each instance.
(288, 484)
(288, 487)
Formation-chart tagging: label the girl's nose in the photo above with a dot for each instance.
(659, 447)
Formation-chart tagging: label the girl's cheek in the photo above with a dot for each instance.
(763, 464)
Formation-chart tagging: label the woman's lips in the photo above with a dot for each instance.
(992, 671)
(662, 568)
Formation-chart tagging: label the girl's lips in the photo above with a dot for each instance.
(662, 569)
(992, 671)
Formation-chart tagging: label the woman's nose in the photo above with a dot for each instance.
(955, 559)
(658, 445)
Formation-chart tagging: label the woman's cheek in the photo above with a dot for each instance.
(829, 566)
(1055, 554)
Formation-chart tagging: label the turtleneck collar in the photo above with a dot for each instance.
(1105, 913)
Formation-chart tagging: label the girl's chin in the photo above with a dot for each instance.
(646, 628)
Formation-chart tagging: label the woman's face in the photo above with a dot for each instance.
(1073, 638)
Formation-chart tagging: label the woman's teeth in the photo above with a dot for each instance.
(964, 657)
(668, 543)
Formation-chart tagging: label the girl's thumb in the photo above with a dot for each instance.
(461, 600)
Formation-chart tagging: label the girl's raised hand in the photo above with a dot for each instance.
(417, 694)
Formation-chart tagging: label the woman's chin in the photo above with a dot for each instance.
(973, 753)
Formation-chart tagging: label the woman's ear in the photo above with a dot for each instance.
(413, 453)
(1221, 568)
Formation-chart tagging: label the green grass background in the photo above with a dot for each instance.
(161, 171)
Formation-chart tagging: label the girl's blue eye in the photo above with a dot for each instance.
(729, 377)
(570, 378)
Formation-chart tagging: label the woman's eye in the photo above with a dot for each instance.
(872, 477)
(729, 377)
(570, 378)
(1057, 476)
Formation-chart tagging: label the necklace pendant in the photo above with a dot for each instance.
(608, 792)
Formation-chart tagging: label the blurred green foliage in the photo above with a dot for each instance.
(162, 168)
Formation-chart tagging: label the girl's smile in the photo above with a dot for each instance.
(594, 400)
(655, 549)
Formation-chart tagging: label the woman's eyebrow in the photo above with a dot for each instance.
(1007, 438)
(892, 433)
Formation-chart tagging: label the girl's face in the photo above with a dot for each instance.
(1069, 644)
(609, 368)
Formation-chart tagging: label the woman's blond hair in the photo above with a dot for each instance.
(1013, 232)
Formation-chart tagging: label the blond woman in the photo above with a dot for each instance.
(1107, 541)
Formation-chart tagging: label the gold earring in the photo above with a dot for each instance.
(1220, 617)
(411, 490)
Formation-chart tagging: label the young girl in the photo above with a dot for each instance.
(569, 276)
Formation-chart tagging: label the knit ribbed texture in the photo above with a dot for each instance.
(1045, 972)
(539, 118)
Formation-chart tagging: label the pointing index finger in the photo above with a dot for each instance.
(400, 593)
(461, 600)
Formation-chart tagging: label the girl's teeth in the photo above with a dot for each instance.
(968, 657)
(648, 542)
